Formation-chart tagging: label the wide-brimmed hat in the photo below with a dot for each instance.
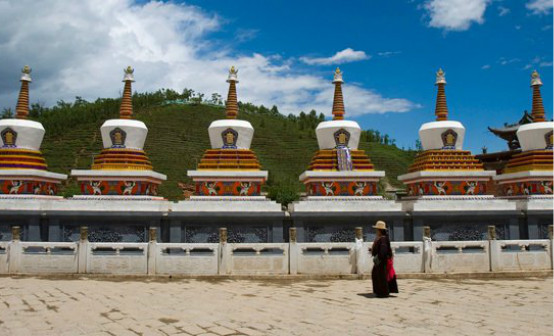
(380, 225)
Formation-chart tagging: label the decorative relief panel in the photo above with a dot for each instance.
(342, 137)
(9, 137)
(228, 188)
(229, 137)
(118, 136)
(449, 138)
(321, 188)
(24, 187)
(527, 188)
(437, 188)
(130, 188)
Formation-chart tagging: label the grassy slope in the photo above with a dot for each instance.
(178, 137)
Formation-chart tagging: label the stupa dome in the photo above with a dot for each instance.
(20, 133)
(123, 133)
(335, 133)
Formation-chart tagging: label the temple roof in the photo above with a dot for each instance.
(508, 132)
(512, 128)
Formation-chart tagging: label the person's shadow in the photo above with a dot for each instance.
(373, 296)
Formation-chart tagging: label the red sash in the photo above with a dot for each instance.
(390, 270)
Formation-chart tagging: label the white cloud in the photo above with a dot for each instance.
(242, 35)
(455, 15)
(344, 56)
(79, 48)
(540, 6)
(503, 11)
(538, 61)
(388, 53)
(506, 61)
(486, 66)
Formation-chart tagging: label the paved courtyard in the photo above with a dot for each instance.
(33, 306)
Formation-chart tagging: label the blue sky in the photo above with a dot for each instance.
(286, 53)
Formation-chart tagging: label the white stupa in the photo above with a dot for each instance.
(443, 168)
(23, 170)
(339, 168)
(122, 170)
(230, 167)
(529, 173)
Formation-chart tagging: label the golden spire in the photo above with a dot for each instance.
(126, 108)
(232, 106)
(538, 109)
(22, 108)
(338, 102)
(441, 110)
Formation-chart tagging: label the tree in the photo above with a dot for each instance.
(285, 192)
(274, 110)
(6, 113)
(418, 145)
(216, 99)
(37, 109)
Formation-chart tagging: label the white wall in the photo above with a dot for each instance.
(4, 246)
(187, 262)
(119, 262)
(294, 258)
(520, 255)
(323, 258)
(256, 261)
(462, 259)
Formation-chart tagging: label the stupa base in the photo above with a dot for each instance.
(445, 183)
(118, 197)
(526, 183)
(342, 184)
(448, 197)
(118, 182)
(30, 183)
(227, 184)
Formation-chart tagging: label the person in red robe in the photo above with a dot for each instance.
(383, 276)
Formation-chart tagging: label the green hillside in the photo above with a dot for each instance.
(178, 136)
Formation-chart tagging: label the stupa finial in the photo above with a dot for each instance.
(537, 111)
(338, 101)
(338, 76)
(233, 74)
(128, 74)
(441, 79)
(22, 107)
(126, 108)
(232, 106)
(441, 109)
